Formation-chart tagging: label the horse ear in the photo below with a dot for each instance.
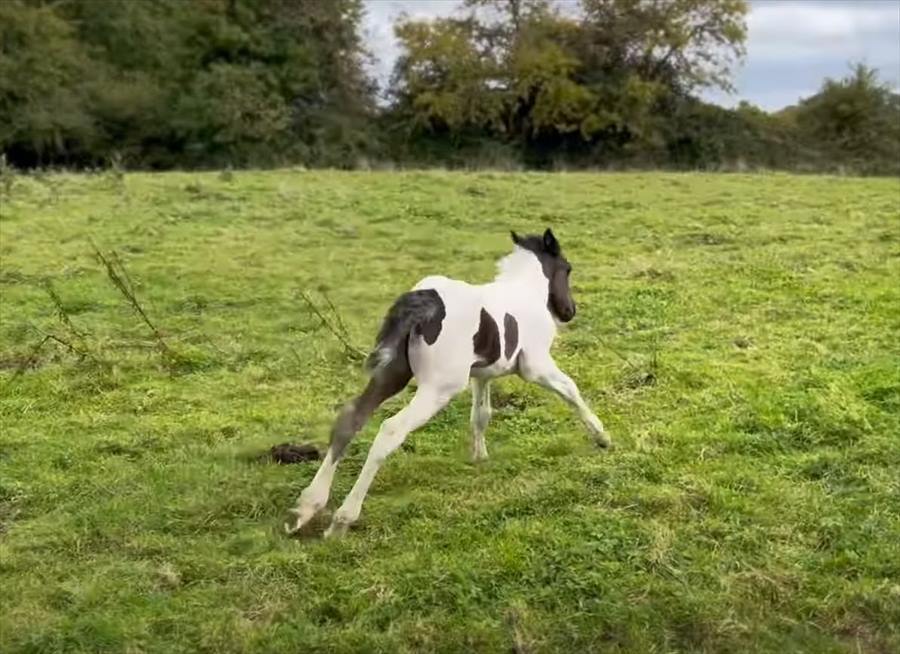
(551, 245)
(516, 238)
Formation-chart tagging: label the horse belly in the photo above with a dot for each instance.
(501, 368)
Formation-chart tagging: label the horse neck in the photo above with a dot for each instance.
(521, 269)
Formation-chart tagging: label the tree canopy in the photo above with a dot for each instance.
(168, 82)
(523, 70)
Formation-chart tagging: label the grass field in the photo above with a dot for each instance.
(737, 334)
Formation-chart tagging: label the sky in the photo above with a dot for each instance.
(792, 45)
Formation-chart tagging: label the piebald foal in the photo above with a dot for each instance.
(445, 332)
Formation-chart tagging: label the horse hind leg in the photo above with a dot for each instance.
(427, 401)
(388, 381)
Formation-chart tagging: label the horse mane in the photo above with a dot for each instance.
(518, 264)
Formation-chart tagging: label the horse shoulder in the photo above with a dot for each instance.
(535, 326)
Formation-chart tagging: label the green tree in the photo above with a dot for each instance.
(174, 83)
(854, 120)
(683, 44)
(445, 78)
(44, 107)
(525, 72)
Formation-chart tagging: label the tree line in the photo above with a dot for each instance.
(534, 83)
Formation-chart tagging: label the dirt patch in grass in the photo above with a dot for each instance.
(290, 453)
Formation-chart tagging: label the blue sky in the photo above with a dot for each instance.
(792, 44)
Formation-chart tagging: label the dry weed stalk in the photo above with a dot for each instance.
(118, 276)
(336, 326)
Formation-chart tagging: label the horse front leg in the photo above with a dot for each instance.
(481, 416)
(545, 372)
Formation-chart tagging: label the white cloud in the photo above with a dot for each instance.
(813, 30)
(793, 45)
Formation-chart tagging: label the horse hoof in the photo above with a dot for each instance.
(337, 529)
(302, 516)
(291, 528)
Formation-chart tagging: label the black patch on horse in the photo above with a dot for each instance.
(419, 312)
(486, 341)
(510, 335)
(430, 327)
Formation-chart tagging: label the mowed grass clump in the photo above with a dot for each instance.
(737, 335)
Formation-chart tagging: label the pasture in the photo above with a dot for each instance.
(737, 334)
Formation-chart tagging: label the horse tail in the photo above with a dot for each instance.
(420, 312)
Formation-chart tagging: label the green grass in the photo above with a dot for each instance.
(752, 503)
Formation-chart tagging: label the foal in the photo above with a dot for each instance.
(445, 332)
